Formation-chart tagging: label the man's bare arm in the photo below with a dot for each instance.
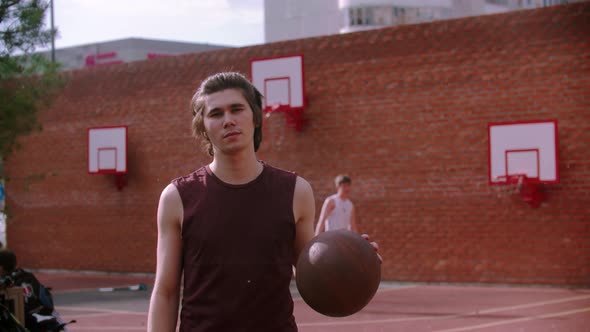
(327, 208)
(163, 312)
(304, 211)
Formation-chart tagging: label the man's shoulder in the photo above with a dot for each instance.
(276, 169)
(286, 177)
(191, 177)
(280, 172)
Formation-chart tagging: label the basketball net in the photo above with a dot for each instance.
(529, 190)
(294, 116)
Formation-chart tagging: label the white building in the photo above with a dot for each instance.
(294, 19)
(366, 14)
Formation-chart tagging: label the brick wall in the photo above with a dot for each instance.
(403, 110)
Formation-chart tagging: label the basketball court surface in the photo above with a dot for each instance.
(102, 302)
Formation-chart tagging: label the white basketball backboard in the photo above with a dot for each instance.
(523, 148)
(280, 80)
(107, 150)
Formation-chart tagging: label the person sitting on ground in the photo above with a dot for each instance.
(39, 309)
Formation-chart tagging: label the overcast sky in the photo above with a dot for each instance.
(224, 22)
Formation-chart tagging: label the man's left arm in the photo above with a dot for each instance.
(304, 212)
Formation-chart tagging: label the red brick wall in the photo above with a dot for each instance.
(403, 110)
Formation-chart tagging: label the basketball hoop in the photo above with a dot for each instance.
(107, 152)
(294, 116)
(523, 157)
(529, 189)
(281, 82)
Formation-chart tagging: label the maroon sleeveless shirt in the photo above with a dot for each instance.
(237, 252)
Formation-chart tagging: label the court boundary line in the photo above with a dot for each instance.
(511, 287)
(114, 328)
(459, 329)
(100, 310)
(516, 320)
(394, 288)
(96, 314)
(450, 316)
(93, 289)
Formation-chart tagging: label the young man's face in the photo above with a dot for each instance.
(229, 121)
(344, 188)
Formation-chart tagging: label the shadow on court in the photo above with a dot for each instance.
(109, 302)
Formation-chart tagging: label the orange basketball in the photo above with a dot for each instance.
(338, 273)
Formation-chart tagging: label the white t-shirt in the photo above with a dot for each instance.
(340, 216)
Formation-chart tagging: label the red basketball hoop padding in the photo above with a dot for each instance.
(120, 181)
(530, 191)
(529, 188)
(294, 116)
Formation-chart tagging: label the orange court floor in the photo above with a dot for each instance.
(119, 302)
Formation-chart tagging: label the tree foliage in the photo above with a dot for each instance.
(27, 78)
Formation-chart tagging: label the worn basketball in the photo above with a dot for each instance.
(338, 273)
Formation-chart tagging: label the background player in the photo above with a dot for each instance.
(338, 211)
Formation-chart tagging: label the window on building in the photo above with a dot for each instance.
(370, 15)
(360, 16)
(399, 15)
(381, 15)
(498, 2)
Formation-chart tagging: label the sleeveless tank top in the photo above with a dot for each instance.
(238, 249)
(339, 217)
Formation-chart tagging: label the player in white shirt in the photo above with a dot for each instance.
(338, 211)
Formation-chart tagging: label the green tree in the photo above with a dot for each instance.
(27, 78)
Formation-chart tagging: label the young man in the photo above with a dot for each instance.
(234, 228)
(338, 211)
